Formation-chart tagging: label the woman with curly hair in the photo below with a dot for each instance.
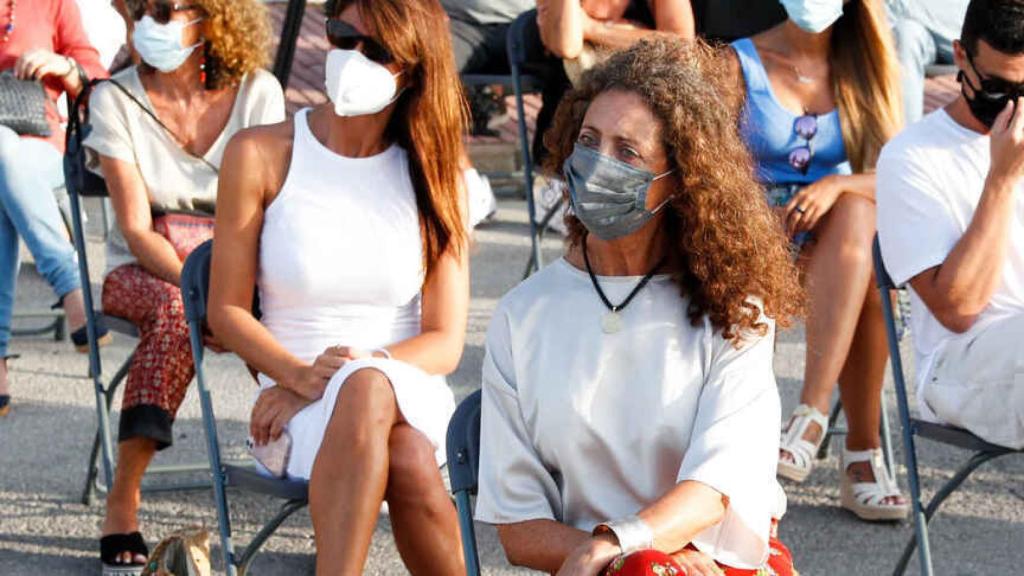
(822, 98)
(159, 131)
(629, 402)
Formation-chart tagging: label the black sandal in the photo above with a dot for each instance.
(113, 545)
(80, 337)
(5, 404)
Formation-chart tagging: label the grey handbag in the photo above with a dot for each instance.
(23, 105)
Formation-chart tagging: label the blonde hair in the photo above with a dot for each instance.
(867, 81)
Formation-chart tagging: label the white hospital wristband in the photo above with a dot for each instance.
(632, 533)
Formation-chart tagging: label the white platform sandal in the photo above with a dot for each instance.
(867, 499)
(793, 442)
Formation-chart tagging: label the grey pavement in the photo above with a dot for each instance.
(44, 444)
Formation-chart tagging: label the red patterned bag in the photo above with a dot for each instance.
(184, 230)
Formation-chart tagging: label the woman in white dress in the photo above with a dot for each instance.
(349, 221)
(629, 403)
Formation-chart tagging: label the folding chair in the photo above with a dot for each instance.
(941, 433)
(522, 82)
(463, 449)
(195, 283)
(86, 184)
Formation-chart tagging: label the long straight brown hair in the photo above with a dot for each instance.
(430, 117)
(867, 81)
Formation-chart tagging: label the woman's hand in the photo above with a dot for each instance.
(273, 410)
(697, 563)
(591, 557)
(805, 210)
(38, 64)
(311, 380)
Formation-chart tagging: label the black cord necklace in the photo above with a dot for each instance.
(612, 321)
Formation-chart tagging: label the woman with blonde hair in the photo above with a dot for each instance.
(349, 220)
(159, 132)
(822, 98)
(629, 410)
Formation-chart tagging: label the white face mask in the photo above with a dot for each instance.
(357, 85)
(814, 16)
(159, 45)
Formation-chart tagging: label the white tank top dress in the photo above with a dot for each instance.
(341, 263)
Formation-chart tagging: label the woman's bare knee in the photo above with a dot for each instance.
(365, 406)
(413, 465)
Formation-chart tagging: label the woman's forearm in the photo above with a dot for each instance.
(540, 544)
(433, 351)
(155, 254)
(685, 511)
(562, 24)
(862, 185)
(239, 331)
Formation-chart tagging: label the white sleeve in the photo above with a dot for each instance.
(514, 485)
(108, 127)
(916, 227)
(267, 100)
(734, 449)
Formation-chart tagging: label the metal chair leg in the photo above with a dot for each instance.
(524, 146)
(923, 517)
(467, 531)
(287, 509)
(541, 229)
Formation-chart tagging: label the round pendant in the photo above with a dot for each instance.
(611, 323)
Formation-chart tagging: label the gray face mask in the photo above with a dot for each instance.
(608, 196)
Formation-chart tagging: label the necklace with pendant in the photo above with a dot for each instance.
(611, 322)
(800, 78)
(13, 4)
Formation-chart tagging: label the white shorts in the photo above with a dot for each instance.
(977, 383)
(425, 401)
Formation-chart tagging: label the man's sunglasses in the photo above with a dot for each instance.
(993, 87)
(343, 35)
(161, 11)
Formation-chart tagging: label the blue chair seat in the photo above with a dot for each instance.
(119, 325)
(249, 479)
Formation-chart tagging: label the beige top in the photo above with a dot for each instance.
(582, 427)
(175, 179)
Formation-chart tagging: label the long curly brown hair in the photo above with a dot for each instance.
(730, 252)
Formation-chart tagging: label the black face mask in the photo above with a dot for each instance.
(990, 98)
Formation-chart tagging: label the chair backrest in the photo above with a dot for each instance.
(882, 277)
(79, 180)
(195, 283)
(463, 445)
(515, 38)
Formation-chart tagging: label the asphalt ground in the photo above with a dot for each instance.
(44, 444)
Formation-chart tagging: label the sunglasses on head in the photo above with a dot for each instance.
(161, 10)
(345, 36)
(992, 87)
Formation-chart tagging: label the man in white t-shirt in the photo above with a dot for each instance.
(951, 223)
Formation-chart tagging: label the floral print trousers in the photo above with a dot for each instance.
(162, 366)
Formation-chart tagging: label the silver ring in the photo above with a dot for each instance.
(800, 209)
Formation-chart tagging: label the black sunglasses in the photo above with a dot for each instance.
(162, 10)
(993, 87)
(345, 36)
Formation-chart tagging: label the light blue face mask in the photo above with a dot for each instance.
(813, 16)
(608, 196)
(159, 45)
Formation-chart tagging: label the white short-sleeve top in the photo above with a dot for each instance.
(582, 427)
(174, 179)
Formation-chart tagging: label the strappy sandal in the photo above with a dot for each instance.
(113, 545)
(801, 449)
(867, 499)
